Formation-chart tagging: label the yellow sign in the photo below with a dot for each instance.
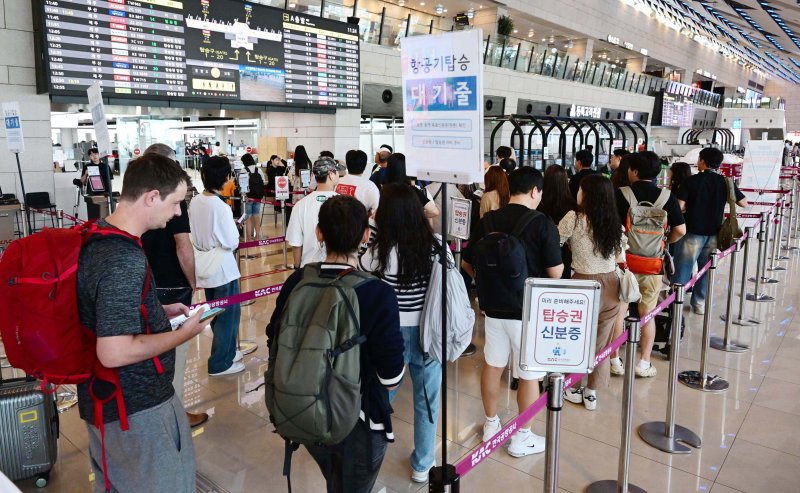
(28, 416)
(167, 3)
(213, 85)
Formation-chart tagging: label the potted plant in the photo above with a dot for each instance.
(504, 25)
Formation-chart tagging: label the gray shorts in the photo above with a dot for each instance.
(155, 454)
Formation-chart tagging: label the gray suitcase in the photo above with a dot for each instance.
(28, 430)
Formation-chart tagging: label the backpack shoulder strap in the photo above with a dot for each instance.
(627, 192)
(438, 191)
(489, 223)
(524, 221)
(663, 197)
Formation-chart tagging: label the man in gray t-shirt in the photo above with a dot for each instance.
(135, 337)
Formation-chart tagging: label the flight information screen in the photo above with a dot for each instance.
(205, 50)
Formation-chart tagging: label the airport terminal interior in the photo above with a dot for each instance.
(455, 91)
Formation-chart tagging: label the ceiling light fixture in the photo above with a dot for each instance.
(470, 13)
(439, 9)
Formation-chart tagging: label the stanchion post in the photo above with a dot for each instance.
(622, 482)
(776, 238)
(791, 197)
(740, 320)
(26, 227)
(761, 262)
(668, 436)
(555, 401)
(60, 218)
(283, 233)
(701, 380)
(725, 343)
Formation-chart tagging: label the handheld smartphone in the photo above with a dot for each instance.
(209, 314)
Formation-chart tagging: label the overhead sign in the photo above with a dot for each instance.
(460, 214)
(614, 40)
(577, 111)
(13, 123)
(559, 325)
(99, 119)
(282, 188)
(443, 106)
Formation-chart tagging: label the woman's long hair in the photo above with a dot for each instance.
(401, 224)
(620, 177)
(396, 169)
(301, 160)
(600, 208)
(557, 200)
(496, 180)
(680, 173)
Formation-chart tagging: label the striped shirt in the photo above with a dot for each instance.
(410, 298)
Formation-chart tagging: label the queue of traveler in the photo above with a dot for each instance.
(364, 250)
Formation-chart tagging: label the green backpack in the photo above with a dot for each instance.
(313, 381)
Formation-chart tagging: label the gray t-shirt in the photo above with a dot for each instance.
(111, 275)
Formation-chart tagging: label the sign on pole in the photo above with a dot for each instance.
(443, 106)
(99, 119)
(282, 188)
(461, 212)
(762, 164)
(244, 181)
(13, 124)
(305, 178)
(559, 325)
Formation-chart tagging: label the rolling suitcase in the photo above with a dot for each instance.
(29, 430)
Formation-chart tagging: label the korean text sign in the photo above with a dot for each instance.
(443, 106)
(559, 325)
(460, 214)
(12, 121)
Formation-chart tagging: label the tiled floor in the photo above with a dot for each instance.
(750, 433)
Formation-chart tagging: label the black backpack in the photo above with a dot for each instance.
(256, 185)
(501, 266)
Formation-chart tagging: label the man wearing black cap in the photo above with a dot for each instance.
(301, 233)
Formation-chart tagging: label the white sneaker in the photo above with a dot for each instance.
(491, 428)
(646, 372)
(574, 395)
(237, 367)
(526, 443)
(421, 477)
(590, 399)
(616, 367)
(699, 309)
(238, 356)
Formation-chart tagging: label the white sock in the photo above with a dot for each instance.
(524, 430)
(493, 419)
(644, 364)
(616, 361)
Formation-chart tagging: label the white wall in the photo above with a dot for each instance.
(791, 92)
(18, 83)
(337, 132)
(751, 118)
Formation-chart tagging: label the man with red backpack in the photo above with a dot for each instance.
(652, 219)
(117, 301)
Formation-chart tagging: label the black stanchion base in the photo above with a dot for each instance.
(731, 347)
(777, 268)
(611, 486)
(759, 298)
(789, 249)
(654, 434)
(711, 383)
(440, 477)
(747, 322)
(765, 280)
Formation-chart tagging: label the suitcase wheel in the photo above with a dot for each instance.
(41, 481)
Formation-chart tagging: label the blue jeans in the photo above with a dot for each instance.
(252, 208)
(688, 250)
(426, 377)
(351, 466)
(224, 326)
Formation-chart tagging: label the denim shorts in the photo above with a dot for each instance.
(252, 208)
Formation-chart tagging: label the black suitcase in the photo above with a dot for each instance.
(29, 430)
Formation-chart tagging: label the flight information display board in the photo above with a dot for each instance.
(677, 111)
(204, 50)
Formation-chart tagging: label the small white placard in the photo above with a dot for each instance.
(305, 178)
(244, 182)
(13, 124)
(559, 325)
(282, 188)
(460, 214)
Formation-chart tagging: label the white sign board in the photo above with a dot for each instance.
(305, 178)
(13, 124)
(559, 325)
(244, 182)
(762, 164)
(460, 214)
(99, 119)
(281, 188)
(443, 106)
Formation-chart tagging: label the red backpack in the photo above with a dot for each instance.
(41, 327)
